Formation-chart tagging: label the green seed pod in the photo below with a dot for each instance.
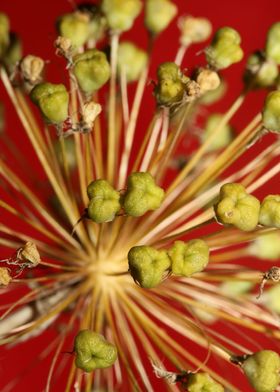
(266, 246)
(199, 382)
(158, 15)
(225, 48)
(171, 84)
(272, 48)
(224, 137)
(271, 298)
(132, 60)
(4, 33)
(233, 288)
(270, 211)
(142, 194)
(148, 266)
(262, 370)
(194, 30)
(188, 258)
(104, 201)
(120, 14)
(236, 207)
(92, 70)
(260, 71)
(93, 351)
(271, 112)
(52, 99)
(74, 26)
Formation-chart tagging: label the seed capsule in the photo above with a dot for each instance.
(194, 30)
(93, 351)
(261, 72)
(131, 60)
(272, 48)
(271, 112)
(199, 382)
(223, 138)
(74, 26)
(171, 84)
(120, 14)
(158, 15)
(148, 266)
(270, 211)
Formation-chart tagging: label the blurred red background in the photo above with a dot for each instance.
(34, 22)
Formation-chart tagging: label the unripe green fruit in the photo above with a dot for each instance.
(225, 48)
(262, 370)
(270, 211)
(142, 194)
(188, 258)
(104, 201)
(236, 207)
(74, 26)
(224, 137)
(93, 351)
(272, 48)
(194, 30)
(132, 60)
(92, 70)
(148, 265)
(202, 382)
(120, 14)
(171, 84)
(52, 99)
(271, 112)
(158, 15)
(4, 33)
(261, 72)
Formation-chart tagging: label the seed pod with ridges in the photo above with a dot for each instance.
(158, 15)
(4, 33)
(171, 84)
(104, 201)
(262, 370)
(148, 266)
(120, 14)
(142, 194)
(271, 112)
(270, 211)
(188, 258)
(194, 30)
(199, 382)
(74, 26)
(272, 48)
(224, 137)
(52, 99)
(92, 70)
(93, 351)
(132, 60)
(260, 72)
(236, 207)
(225, 48)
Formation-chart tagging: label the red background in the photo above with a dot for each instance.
(34, 22)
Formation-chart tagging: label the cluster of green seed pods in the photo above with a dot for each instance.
(141, 195)
(149, 266)
(93, 351)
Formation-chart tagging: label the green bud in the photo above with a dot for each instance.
(260, 71)
(104, 201)
(52, 99)
(188, 258)
(225, 48)
(74, 26)
(271, 298)
(224, 137)
(142, 194)
(266, 246)
(236, 207)
(132, 60)
(199, 382)
(120, 14)
(148, 266)
(4, 33)
(171, 84)
(262, 370)
(93, 351)
(271, 112)
(270, 211)
(158, 15)
(233, 288)
(272, 48)
(92, 70)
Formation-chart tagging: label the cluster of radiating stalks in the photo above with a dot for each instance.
(141, 261)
